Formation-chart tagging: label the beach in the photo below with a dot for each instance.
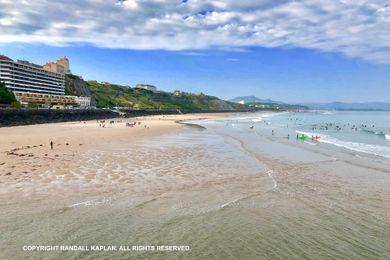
(214, 188)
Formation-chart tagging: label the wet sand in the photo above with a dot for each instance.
(225, 194)
(26, 157)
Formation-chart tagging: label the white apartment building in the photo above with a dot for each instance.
(146, 86)
(23, 76)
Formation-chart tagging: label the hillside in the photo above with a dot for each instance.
(76, 86)
(120, 96)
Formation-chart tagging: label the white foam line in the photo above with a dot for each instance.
(270, 174)
(230, 202)
(310, 143)
(81, 203)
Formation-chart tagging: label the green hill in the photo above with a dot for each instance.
(121, 96)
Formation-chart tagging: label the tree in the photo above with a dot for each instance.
(6, 96)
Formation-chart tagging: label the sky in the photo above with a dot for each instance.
(293, 51)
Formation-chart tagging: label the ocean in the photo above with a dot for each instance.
(362, 131)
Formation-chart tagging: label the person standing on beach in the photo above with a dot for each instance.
(51, 144)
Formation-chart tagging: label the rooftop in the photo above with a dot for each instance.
(2, 57)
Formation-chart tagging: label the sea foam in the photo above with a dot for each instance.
(354, 146)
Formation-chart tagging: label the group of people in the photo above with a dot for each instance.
(133, 124)
(298, 137)
(102, 123)
(339, 127)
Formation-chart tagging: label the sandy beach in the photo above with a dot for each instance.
(221, 191)
(26, 153)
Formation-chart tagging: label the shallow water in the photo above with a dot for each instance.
(362, 131)
(227, 192)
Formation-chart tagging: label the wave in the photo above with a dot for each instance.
(379, 133)
(275, 114)
(377, 150)
(257, 120)
(328, 113)
(374, 132)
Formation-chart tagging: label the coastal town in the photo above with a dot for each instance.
(44, 86)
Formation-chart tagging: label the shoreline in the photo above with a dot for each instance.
(19, 117)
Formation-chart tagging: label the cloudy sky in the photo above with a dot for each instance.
(296, 51)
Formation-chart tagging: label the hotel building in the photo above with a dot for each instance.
(59, 66)
(44, 85)
(23, 76)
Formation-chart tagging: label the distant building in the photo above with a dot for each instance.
(59, 66)
(177, 93)
(105, 83)
(242, 102)
(57, 101)
(148, 87)
(24, 76)
(83, 102)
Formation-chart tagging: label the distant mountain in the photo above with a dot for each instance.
(253, 99)
(266, 104)
(350, 106)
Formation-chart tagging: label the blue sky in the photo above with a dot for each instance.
(294, 51)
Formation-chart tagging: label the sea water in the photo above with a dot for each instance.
(361, 131)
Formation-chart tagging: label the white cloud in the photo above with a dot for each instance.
(356, 28)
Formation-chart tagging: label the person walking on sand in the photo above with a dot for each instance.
(51, 144)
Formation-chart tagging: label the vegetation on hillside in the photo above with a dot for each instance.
(109, 96)
(120, 96)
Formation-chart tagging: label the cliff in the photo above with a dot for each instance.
(76, 86)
